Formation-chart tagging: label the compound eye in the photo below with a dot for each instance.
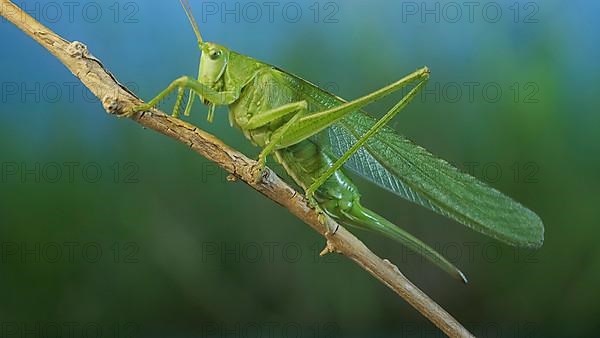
(215, 54)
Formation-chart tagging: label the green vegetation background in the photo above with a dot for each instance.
(186, 253)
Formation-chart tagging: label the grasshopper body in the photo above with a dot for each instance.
(315, 134)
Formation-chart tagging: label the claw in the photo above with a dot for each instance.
(140, 108)
(312, 201)
(257, 171)
(310, 196)
(321, 216)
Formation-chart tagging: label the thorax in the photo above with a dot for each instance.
(266, 91)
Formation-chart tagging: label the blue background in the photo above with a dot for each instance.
(183, 252)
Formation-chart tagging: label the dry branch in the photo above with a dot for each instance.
(118, 100)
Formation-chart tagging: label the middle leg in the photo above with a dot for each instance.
(297, 108)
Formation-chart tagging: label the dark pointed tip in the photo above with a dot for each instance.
(463, 277)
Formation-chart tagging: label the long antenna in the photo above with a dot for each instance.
(188, 11)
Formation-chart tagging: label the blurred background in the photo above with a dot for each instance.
(107, 229)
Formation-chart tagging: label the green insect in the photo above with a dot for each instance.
(316, 135)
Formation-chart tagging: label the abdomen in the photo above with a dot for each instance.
(305, 162)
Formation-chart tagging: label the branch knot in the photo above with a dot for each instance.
(112, 105)
(77, 49)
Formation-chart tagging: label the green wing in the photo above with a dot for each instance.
(398, 165)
